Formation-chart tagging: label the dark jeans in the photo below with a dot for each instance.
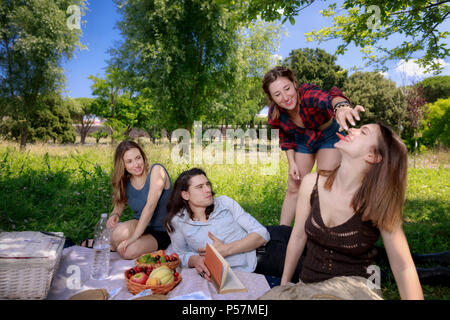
(435, 269)
(271, 261)
(271, 256)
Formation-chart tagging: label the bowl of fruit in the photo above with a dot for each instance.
(160, 280)
(158, 259)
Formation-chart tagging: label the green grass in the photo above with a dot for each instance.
(66, 188)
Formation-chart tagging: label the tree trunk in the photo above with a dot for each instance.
(23, 137)
(83, 137)
(83, 133)
(112, 136)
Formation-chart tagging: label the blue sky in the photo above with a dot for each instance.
(99, 34)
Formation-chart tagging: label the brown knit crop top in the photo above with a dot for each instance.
(344, 250)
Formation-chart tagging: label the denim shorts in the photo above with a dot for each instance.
(326, 141)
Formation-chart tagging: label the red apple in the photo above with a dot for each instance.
(140, 278)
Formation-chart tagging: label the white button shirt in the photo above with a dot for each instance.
(228, 222)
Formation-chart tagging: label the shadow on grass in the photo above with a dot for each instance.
(67, 201)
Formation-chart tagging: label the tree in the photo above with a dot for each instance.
(81, 112)
(415, 110)
(49, 121)
(182, 51)
(243, 98)
(98, 134)
(369, 23)
(317, 67)
(109, 92)
(120, 108)
(52, 120)
(147, 116)
(415, 106)
(34, 38)
(271, 10)
(434, 88)
(436, 124)
(380, 98)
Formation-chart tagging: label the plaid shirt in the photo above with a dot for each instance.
(315, 110)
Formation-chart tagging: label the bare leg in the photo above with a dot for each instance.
(328, 159)
(146, 243)
(305, 163)
(122, 232)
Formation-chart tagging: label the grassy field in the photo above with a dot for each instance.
(65, 188)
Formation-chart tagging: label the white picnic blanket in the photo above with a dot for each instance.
(74, 276)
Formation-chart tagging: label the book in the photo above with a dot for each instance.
(224, 278)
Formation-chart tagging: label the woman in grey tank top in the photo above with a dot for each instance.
(146, 190)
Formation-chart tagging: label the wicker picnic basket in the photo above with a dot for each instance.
(28, 262)
(135, 288)
(172, 264)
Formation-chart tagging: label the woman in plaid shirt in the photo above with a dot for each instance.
(308, 119)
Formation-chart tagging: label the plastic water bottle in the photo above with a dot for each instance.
(100, 263)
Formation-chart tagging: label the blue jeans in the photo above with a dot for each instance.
(327, 141)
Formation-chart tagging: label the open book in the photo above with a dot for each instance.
(222, 275)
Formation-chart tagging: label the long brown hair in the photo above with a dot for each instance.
(120, 176)
(270, 77)
(381, 196)
(176, 203)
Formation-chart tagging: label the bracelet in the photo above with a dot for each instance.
(341, 104)
(115, 214)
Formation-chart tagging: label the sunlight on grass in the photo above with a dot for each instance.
(65, 188)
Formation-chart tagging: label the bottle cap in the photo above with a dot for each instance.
(104, 215)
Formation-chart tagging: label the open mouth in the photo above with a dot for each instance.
(289, 102)
(345, 138)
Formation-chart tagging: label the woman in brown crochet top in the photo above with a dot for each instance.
(340, 214)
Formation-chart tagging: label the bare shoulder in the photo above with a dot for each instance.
(159, 177)
(159, 172)
(308, 183)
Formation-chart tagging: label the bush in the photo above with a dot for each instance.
(436, 123)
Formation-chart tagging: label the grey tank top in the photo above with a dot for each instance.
(137, 199)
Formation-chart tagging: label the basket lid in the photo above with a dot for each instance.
(29, 244)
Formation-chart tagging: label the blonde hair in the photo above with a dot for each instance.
(120, 176)
(381, 196)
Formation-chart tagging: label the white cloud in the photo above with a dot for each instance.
(277, 58)
(263, 112)
(411, 68)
